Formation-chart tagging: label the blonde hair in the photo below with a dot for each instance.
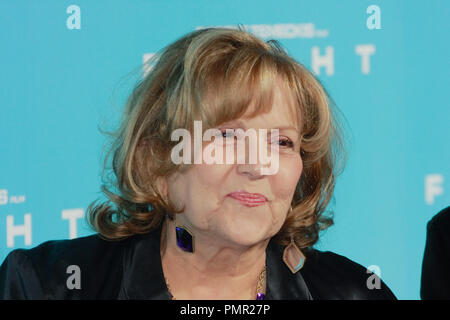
(213, 75)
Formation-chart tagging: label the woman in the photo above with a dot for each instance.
(199, 229)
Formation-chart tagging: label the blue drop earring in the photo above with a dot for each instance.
(185, 239)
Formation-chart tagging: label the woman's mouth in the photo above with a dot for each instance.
(248, 199)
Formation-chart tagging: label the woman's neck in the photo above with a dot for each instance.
(212, 272)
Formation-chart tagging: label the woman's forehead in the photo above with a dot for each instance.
(284, 111)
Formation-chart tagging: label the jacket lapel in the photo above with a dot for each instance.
(143, 277)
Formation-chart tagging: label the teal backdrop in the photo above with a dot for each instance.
(67, 67)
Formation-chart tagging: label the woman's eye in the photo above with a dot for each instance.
(286, 142)
(227, 133)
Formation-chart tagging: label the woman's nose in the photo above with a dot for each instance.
(253, 162)
(254, 171)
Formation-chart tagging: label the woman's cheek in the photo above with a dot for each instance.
(288, 175)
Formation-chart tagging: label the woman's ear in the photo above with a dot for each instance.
(161, 187)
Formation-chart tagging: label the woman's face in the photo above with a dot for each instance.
(217, 206)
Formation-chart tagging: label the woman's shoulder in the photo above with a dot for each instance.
(82, 251)
(62, 269)
(332, 276)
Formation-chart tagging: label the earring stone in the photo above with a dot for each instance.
(185, 240)
(293, 257)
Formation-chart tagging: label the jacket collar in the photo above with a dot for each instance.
(143, 276)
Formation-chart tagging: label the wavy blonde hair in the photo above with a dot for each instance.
(213, 75)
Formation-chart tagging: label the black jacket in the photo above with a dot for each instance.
(436, 259)
(131, 269)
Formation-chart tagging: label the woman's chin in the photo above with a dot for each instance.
(246, 236)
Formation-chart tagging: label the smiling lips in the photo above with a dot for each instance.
(248, 199)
